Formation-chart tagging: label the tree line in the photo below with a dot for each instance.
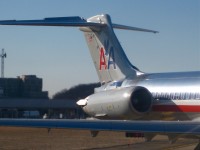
(77, 92)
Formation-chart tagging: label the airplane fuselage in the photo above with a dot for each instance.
(170, 86)
(176, 96)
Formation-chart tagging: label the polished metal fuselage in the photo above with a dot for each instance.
(176, 96)
(178, 89)
(178, 85)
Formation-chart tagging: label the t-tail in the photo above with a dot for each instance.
(110, 61)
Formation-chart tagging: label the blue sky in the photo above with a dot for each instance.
(60, 55)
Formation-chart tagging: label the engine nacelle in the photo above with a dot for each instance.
(122, 103)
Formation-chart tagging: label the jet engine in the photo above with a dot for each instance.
(119, 103)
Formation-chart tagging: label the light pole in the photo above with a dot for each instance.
(3, 55)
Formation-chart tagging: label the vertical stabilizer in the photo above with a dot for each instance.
(110, 61)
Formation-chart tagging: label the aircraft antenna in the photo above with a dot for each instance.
(3, 55)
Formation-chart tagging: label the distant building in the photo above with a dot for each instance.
(26, 86)
(39, 108)
(22, 97)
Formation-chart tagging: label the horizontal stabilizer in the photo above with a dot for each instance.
(118, 26)
(58, 21)
(75, 21)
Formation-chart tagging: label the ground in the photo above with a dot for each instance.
(12, 138)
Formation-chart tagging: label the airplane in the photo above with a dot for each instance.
(128, 99)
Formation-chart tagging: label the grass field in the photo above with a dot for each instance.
(65, 139)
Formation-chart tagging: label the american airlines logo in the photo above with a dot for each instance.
(107, 57)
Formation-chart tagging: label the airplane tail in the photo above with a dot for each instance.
(110, 61)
